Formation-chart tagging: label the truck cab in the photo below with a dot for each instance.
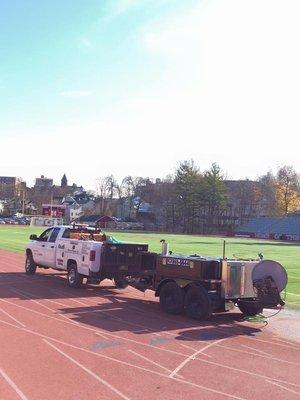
(84, 252)
(75, 249)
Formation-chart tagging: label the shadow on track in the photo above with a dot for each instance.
(107, 308)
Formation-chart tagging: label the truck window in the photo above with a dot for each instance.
(66, 234)
(54, 235)
(45, 235)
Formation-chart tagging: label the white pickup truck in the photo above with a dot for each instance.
(83, 252)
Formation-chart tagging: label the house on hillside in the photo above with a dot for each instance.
(77, 204)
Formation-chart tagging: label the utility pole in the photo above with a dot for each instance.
(51, 202)
(23, 202)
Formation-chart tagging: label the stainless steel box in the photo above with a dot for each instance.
(237, 279)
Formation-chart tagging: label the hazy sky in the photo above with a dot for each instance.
(96, 87)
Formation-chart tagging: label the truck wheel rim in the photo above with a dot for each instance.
(27, 266)
(72, 276)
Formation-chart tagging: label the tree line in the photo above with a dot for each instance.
(192, 201)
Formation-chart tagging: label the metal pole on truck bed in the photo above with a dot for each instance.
(224, 249)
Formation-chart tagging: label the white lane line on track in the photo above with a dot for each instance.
(88, 371)
(83, 349)
(99, 311)
(103, 311)
(283, 387)
(271, 380)
(153, 362)
(25, 293)
(256, 354)
(158, 348)
(58, 293)
(99, 333)
(183, 381)
(192, 348)
(246, 372)
(269, 342)
(259, 351)
(13, 385)
(193, 357)
(288, 342)
(69, 320)
(41, 305)
(13, 318)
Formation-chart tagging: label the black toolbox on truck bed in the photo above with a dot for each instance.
(122, 259)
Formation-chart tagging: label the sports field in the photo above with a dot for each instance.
(14, 238)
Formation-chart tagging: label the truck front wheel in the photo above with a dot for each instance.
(171, 298)
(74, 278)
(197, 303)
(30, 265)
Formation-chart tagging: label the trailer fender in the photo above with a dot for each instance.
(180, 282)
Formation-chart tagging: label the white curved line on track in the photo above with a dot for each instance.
(193, 357)
(158, 348)
(183, 381)
(152, 362)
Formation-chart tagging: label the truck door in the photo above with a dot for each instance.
(50, 248)
(39, 250)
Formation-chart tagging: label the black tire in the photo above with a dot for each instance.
(197, 303)
(30, 265)
(250, 308)
(171, 298)
(120, 283)
(74, 278)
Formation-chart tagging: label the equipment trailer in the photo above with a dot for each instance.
(196, 285)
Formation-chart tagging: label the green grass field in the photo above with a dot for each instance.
(14, 238)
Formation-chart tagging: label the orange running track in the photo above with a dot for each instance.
(99, 342)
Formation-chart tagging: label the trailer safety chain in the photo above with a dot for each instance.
(261, 318)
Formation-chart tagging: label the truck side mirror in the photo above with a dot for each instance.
(33, 237)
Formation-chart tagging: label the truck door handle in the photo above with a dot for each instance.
(43, 245)
(52, 247)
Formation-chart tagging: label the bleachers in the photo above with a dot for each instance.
(273, 228)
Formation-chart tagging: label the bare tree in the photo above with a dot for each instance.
(106, 188)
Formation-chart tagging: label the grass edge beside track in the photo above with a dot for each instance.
(14, 238)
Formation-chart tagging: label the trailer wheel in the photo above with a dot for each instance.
(120, 283)
(74, 278)
(250, 307)
(197, 303)
(30, 265)
(171, 298)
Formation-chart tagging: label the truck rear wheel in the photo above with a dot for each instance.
(250, 307)
(74, 278)
(30, 265)
(171, 298)
(197, 303)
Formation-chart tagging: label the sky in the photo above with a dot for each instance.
(132, 87)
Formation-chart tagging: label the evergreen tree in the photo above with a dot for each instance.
(188, 195)
(214, 193)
